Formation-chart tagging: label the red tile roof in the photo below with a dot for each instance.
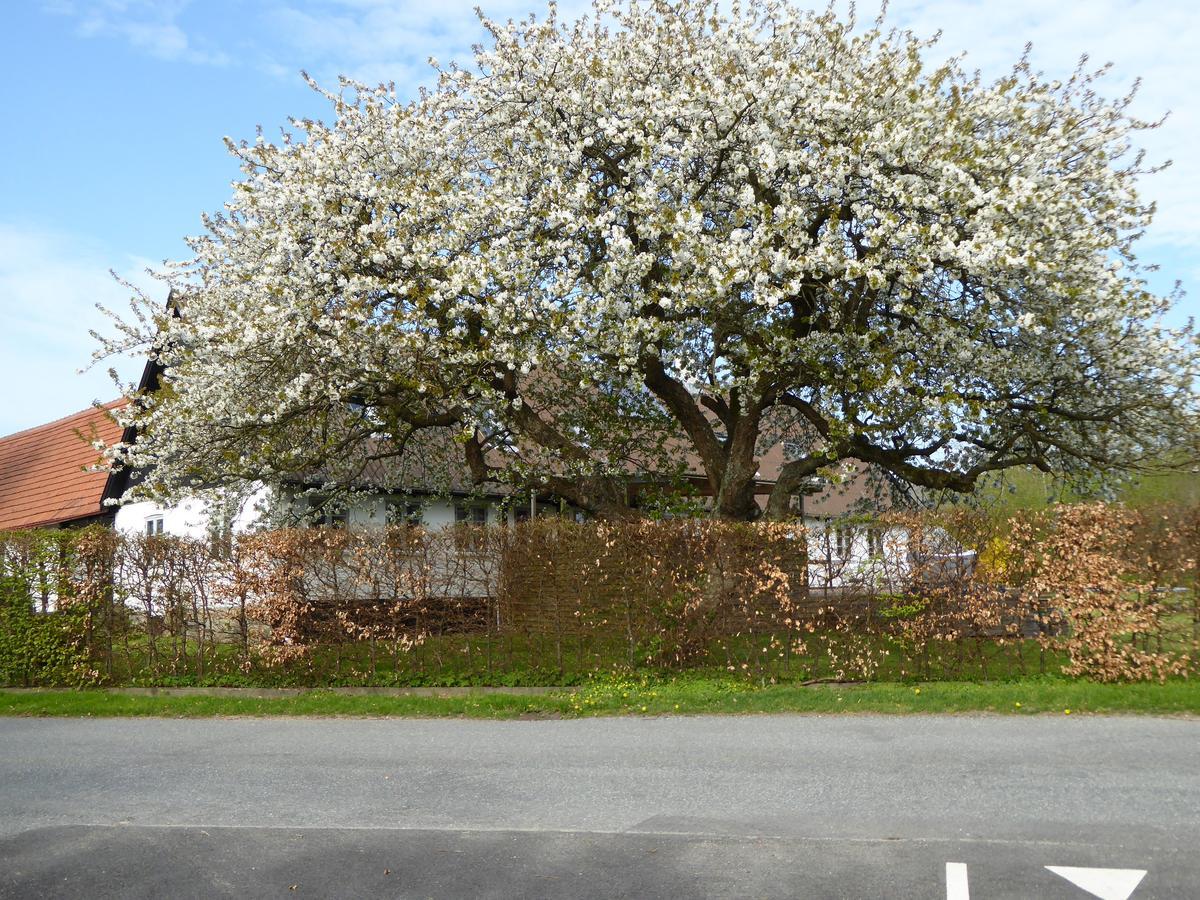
(45, 476)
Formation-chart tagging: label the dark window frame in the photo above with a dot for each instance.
(468, 513)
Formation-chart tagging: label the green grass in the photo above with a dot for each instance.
(678, 696)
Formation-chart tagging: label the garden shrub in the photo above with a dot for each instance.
(1089, 590)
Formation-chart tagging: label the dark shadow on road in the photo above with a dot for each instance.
(98, 862)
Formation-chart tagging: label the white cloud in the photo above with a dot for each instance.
(50, 284)
(150, 26)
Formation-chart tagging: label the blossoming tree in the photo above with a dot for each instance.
(656, 238)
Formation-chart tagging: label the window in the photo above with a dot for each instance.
(844, 534)
(470, 514)
(875, 542)
(404, 512)
(325, 514)
(220, 537)
(526, 508)
(154, 525)
(220, 526)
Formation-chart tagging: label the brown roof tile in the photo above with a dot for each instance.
(44, 471)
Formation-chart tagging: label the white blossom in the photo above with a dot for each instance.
(917, 267)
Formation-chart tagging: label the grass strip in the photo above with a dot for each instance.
(680, 696)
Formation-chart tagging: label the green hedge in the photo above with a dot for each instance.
(37, 648)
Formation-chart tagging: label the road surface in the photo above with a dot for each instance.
(755, 806)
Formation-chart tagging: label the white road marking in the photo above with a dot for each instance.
(1107, 884)
(956, 882)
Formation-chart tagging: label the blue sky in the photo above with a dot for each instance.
(115, 110)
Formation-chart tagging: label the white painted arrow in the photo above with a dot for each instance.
(1107, 884)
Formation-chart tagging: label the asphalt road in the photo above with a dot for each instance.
(780, 806)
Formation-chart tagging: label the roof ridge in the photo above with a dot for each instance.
(110, 405)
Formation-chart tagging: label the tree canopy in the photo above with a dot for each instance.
(660, 238)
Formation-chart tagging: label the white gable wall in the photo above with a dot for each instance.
(191, 519)
(186, 519)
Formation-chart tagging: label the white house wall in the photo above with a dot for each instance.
(187, 519)
(855, 564)
(190, 518)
